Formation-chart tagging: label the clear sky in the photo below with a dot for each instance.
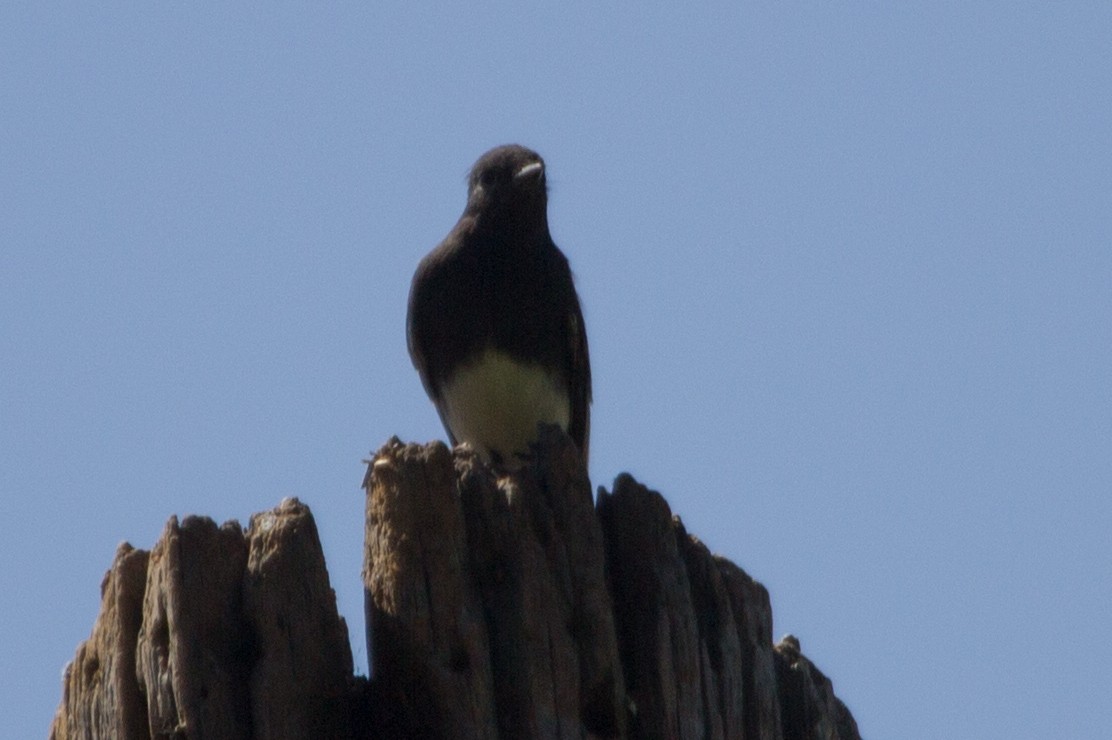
(846, 270)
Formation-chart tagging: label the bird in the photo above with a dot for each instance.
(494, 325)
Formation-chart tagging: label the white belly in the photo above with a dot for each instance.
(495, 404)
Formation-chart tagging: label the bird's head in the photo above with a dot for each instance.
(508, 182)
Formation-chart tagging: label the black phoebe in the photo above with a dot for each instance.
(494, 325)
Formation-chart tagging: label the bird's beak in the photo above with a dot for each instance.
(529, 170)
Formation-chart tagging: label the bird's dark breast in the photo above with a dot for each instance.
(530, 304)
(478, 294)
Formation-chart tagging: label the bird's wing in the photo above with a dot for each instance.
(579, 386)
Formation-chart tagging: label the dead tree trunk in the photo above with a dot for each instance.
(496, 607)
(216, 633)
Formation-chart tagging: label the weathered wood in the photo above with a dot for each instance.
(753, 612)
(576, 557)
(656, 622)
(498, 605)
(301, 675)
(214, 635)
(720, 654)
(194, 650)
(810, 709)
(425, 626)
(101, 696)
(501, 606)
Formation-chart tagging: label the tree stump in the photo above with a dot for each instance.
(498, 605)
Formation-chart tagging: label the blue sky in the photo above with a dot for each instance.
(846, 271)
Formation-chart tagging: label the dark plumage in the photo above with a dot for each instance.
(494, 326)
